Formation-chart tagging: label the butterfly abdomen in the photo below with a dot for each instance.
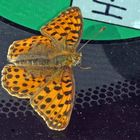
(58, 61)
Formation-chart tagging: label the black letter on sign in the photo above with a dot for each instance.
(108, 6)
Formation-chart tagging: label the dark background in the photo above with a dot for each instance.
(107, 105)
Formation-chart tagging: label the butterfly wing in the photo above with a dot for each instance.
(19, 83)
(55, 102)
(35, 45)
(66, 29)
(22, 81)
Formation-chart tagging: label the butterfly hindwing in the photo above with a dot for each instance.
(55, 102)
(66, 28)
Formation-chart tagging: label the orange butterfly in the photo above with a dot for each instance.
(42, 68)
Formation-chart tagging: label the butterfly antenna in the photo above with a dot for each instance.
(95, 36)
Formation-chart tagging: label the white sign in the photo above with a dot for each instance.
(120, 12)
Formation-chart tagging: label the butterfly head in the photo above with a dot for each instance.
(76, 58)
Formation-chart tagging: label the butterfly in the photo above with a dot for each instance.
(41, 68)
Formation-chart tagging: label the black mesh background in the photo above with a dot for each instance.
(107, 105)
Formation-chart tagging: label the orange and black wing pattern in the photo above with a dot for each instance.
(54, 103)
(66, 28)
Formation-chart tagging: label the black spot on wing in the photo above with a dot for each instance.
(67, 92)
(59, 96)
(47, 89)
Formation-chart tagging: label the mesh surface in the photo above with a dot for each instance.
(85, 98)
(107, 107)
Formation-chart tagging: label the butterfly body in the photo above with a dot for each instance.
(41, 68)
(56, 62)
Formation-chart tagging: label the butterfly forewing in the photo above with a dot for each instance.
(66, 28)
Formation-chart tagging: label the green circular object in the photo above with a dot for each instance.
(34, 13)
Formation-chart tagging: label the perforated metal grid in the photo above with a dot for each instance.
(105, 94)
